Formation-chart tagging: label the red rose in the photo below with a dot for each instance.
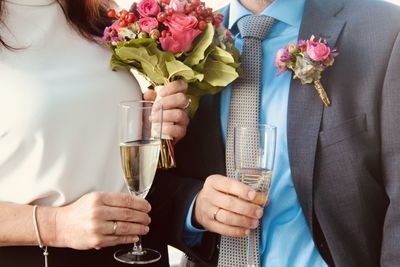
(183, 31)
(148, 24)
(148, 8)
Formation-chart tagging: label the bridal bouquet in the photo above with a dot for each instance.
(166, 40)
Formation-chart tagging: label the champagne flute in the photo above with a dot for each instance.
(254, 155)
(140, 141)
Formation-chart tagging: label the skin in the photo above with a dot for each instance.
(173, 100)
(256, 6)
(232, 200)
(88, 222)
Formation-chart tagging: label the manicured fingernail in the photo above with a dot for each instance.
(254, 223)
(259, 213)
(146, 229)
(247, 232)
(135, 239)
(149, 207)
(251, 195)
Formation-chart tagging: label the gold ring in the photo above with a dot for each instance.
(188, 104)
(215, 214)
(115, 226)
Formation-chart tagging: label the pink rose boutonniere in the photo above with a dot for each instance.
(307, 59)
(166, 40)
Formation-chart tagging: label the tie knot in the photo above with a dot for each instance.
(255, 26)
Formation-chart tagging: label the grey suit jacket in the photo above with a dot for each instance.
(345, 159)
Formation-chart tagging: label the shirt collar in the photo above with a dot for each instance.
(287, 11)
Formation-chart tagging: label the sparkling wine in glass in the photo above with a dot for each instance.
(254, 155)
(140, 141)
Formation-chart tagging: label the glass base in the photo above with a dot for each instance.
(145, 257)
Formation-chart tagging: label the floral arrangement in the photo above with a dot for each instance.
(307, 59)
(166, 40)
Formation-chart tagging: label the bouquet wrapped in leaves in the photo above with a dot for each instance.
(166, 40)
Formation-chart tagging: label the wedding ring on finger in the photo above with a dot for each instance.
(115, 226)
(188, 104)
(215, 214)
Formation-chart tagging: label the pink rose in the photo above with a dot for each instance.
(148, 8)
(178, 5)
(317, 51)
(183, 32)
(148, 24)
(115, 26)
(168, 43)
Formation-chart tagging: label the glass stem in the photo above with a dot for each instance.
(137, 247)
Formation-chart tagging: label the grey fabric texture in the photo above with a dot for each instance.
(245, 106)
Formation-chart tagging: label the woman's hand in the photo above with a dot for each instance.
(98, 220)
(175, 103)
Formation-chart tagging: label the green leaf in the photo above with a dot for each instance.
(222, 55)
(204, 42)
(196, 90)
(162, 57)
(219, 74)
(202, 88)
(136, 43)
(194, 105)
(148, 62)
(200, 67)
(116, 63)
(177, 69)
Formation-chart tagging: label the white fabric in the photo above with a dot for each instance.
(58, 109)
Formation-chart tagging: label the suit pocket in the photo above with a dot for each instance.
(344, 130)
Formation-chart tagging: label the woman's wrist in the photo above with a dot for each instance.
(46, 223)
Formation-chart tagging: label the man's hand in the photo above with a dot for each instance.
(175, 103)
(225, 206)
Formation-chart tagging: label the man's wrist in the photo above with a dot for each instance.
(194, 221)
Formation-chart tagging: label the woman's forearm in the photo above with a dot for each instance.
(17, 225)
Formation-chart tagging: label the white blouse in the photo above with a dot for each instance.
(58, 108)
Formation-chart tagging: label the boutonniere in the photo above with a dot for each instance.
(308, 59)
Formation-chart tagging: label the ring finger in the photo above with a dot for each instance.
(237, 205)
(127, 215)
(172, 115)
(234, 219)
(179, 100)
(124, 228)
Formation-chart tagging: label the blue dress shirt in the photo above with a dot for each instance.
(285, 237)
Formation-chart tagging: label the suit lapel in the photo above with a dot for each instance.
(305, 107)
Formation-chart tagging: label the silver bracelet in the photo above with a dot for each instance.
(44, 248)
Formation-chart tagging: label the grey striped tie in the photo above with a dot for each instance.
(244, 111)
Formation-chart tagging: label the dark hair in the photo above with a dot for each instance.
(88, 17)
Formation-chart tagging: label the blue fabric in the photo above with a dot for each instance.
(192, 234)
(285, 237)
